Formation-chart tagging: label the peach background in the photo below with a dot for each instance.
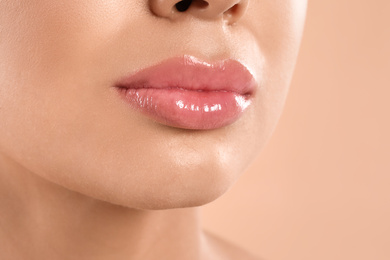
(321, 188)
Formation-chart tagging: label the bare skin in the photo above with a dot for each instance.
(44, 221)
(81, 177)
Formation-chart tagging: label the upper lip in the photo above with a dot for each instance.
(190, 73)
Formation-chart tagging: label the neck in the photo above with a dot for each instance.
(41, 220)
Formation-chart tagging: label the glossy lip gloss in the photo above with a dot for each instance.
(185, 92)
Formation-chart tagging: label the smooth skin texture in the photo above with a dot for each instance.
(81, 174)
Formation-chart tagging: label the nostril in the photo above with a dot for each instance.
(201, 4)
(183, 5)
(232, 11)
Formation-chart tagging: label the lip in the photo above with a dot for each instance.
(185, 92)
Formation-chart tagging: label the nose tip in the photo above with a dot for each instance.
(228, 10)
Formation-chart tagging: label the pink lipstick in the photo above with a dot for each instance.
(187, 93)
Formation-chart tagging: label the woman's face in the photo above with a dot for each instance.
(63, 119)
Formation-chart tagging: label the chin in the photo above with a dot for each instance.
(184, 189)
(168, 186)
(161, 198)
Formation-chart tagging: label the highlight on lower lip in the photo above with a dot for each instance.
(201, 110)
(185, 92)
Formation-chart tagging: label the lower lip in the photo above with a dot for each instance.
(187, 109)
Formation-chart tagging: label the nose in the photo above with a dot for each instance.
(228, 10)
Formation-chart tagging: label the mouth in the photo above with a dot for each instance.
(187, 93)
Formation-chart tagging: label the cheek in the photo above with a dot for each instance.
(277, 27)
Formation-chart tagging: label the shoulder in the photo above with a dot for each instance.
(223, 250)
